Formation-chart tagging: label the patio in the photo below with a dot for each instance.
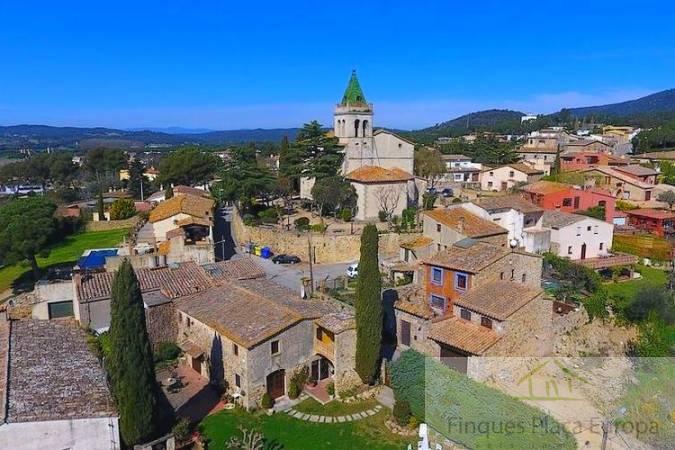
(190, 394)
(320, 391)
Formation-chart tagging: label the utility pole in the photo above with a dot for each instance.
(311, 268)
(605, 434)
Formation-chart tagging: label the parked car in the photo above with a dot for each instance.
(285, 259)
(447, 192)
(431, 190)
(353, 270)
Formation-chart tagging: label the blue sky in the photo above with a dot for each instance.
(227, 65)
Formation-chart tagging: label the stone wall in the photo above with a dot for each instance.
(328, 248)
(74, 434)
(527, 332)
(161, 324)
(113, 224)
(419, 334)
(515, 263)
(346, 377)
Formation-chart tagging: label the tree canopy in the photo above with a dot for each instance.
(320, 153)
(122, 208)
(56, 169)
(333, 193)
(130, 365)
(242, 178)
(188, 166)
(429, 165)
(26, 226)
(138, 184)
(485, 149)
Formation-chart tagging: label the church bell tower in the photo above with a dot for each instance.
(353, 125)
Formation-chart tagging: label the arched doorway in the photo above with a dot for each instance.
(276, 384)
(321, 369)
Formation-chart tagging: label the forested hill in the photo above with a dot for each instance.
(41, 136)
(661, 102)
(498, 120)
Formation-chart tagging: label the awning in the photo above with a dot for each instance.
(192, 349)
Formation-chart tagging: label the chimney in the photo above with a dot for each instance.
(460, 225)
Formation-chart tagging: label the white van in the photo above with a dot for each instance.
(353, 270)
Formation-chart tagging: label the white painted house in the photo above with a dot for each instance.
(578, 237)
(508, 176)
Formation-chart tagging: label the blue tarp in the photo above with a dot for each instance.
(95, 259)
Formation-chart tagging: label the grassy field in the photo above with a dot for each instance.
(66, 251)
(626, 290)
(291, 433)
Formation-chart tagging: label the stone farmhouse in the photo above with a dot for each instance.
(475, 299)
(508, 176)
(445, 226)
(635, 183)
(255, 335)
(53, 390)
(378, 164)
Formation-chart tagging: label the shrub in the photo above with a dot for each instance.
(318, 227)
(181, 430)
(267, 401)
(346, 215)
(408, 218)
(382, 215)
(293, 391)
(428, 200)
(270, 215)
(413, 422)
(437, 394)
(122, 208)
(596, 305)
(623, 205)
(456, 200)
(330, 388)
(402, 412)
(167, 351)
(301, 223)
(300, 377)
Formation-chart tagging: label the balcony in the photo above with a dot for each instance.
(326, 349)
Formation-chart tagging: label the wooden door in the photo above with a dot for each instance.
(505, 186)
(276, 384)
(583, 251)
(197, 365)
(405, 333)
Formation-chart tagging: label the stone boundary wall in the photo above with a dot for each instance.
(113, 224)
(328, 248)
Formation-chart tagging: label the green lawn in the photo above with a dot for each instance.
(68, 250)
(334, 408)
(291, 433)
(626, 290)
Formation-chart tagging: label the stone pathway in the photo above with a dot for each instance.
(333, 419)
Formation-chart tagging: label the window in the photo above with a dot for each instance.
(465, 314)
(319, 334)
(237, 380)
(438, 247)
(512, 173)
(567, 202)
(187, 321)
(602, 245)
(492, 174)
(438, 227)
(235, 349)
(513, 274)
(274, 347)
(489, 183)
(60, 309)
(436, 275)
(487, 323)
(524, 278)
(578, 231)
(588, 228)
(595, 229)
(501, 276)
(438, 302)
(569, 250)
(461, 281)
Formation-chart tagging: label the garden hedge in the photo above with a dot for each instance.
(469, 412)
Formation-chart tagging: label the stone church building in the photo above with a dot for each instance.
(378, 164)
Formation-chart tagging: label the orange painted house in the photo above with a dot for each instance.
(564, 197)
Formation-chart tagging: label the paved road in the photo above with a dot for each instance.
(289, 275)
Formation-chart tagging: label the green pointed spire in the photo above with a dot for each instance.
(353, 94)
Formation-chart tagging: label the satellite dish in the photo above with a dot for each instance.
(513, 243)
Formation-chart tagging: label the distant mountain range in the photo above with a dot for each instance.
(650, 109)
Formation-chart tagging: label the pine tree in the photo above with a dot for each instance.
(130, 364)
(368, 308)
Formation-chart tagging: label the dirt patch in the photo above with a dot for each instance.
(597, 338)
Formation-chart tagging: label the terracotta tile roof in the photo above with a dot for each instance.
(251, 311)
(194, 221)
(376, 174)
(660, 214)
(498, 299)
(186, 279)
(636, 170)
(515, 202)
(419, 241)
(613, 172)
(463, 335)
(412, 299)
(53, 375)
(468, 256)
(4, 365)
(527, 170)
(559, 219)
(464, 222)
(186, 204)
(142, 206)
(546, 187)
(337, 322)
(187, 190)
(234, 269)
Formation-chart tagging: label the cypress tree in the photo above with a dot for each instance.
(368, 308)
(169, 193)
(130, 364)
(99, 206)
